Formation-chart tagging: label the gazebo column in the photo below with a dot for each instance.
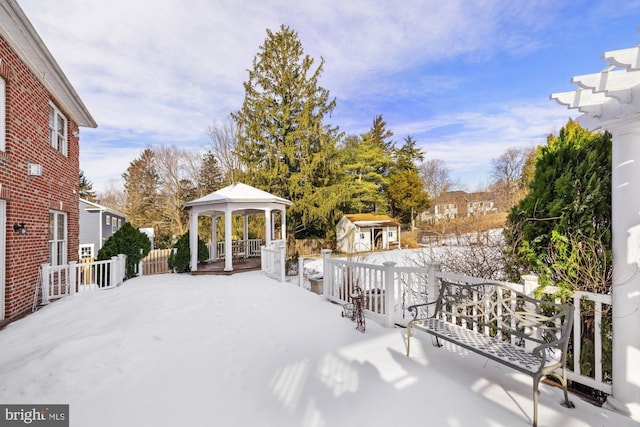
(245, 236)
(193, 240)
(213, 256)
(268, 232)
(625, 305)
(283, 225)
(228, 250)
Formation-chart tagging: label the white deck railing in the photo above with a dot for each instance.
(390, 290)
(273, 260)
(66, 280)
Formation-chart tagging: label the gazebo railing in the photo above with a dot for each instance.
(243, 248)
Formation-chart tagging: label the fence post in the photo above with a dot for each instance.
(122, 260)
(300, 271)
(433, 289)
(45, 283)
(72, 278)
(283, 253)
(327, 273)
(530, 284)
(389, 292)
(140, 268)
(113, 271)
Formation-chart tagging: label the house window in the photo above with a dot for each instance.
(114, 226)
(119, 223)
(57, 129)
(86, 252)
(3, 114)
(57, 238)
(107, 219)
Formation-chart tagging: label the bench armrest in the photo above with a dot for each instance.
(414, 308)
(539, 350)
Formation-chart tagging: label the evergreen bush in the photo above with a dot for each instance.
(181, 256)
(129, 241)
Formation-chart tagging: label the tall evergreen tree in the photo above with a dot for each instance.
(210, 178)
(367, 161)
(366, 165)
(282, 140)
(86, 188)
(406, 190)
(407, 155)
(141, 183)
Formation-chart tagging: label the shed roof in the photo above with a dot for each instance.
(371, 220)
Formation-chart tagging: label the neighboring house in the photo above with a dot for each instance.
(367, 232)
(460, 204)
(151, 234)
(40, 116)
(97, 224)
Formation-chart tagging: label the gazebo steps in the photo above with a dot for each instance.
(217, 267)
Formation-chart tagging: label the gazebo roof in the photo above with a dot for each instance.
(237, 193)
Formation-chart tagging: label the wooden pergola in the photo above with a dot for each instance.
(235, 199)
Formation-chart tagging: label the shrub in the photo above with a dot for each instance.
(181, 256)
(129, 241)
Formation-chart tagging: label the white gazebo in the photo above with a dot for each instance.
(610, 100)
(236, 199)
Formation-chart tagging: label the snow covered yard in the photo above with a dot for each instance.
(246, 350)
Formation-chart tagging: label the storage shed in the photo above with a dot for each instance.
(366, 233)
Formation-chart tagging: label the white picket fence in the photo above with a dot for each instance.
(389, 291)
(66, 280)
(272, 260)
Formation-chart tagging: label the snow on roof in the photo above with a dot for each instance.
(371, 220)
(237, 193)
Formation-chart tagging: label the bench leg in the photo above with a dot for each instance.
(563, 381)
(408, 340)
(536, 393)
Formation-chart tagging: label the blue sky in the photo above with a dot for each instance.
(466, 79)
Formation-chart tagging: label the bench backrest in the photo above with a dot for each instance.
(502, 312)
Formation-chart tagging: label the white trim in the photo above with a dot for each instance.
(54, 129)
(55, 257)
(3, 245)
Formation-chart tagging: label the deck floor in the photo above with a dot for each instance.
(239, 266)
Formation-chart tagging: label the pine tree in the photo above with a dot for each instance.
(283, 143)
(210, 177)
(141, 185)
(406, 191)
(367, 161)
(86, 188)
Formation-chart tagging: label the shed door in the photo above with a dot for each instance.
(3, 244)
(378, 239)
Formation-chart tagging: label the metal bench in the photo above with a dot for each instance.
(509, 327)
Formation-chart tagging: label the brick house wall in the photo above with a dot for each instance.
(30, 199)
